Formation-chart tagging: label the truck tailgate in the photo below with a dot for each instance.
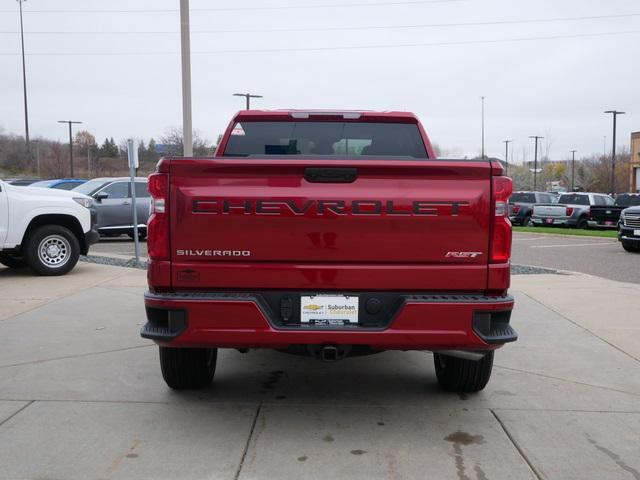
(397, 224)
(549, 210)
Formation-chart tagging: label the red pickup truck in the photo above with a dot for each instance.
(329, 234)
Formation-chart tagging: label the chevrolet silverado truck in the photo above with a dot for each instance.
(571, 210)
(328, 234)
(521, 206)
(45, 229)
(609, 216)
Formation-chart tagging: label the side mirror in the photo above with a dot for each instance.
(101, 196)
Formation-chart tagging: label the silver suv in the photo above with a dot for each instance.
(113, 204)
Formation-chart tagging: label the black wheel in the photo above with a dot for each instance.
(582, 223)
(631, 246)
(52, 250)
(188, 368)
(465, 376)
(527, 222)
(12, 261)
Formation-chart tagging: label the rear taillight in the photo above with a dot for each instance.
(568, 211)
(158, 225)
(501, 228)
(516, 209)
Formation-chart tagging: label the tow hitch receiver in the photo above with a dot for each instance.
(329, 353)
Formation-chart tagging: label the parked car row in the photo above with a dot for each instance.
(112, 201)
(47, 225)
(571, 209)
(580, 210)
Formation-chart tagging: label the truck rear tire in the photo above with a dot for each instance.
(463, 376)
(52, 250)
(188, 368)
(12, 261)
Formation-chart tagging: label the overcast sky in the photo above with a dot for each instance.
(128, 84)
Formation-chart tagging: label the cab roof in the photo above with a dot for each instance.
(334, 115)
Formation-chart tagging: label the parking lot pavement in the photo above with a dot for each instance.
(122, 245)
(81, 396)
(603, 257)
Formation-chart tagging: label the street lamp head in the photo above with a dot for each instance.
(615, 112)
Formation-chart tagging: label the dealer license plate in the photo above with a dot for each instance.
(329, 310)
(548, 220)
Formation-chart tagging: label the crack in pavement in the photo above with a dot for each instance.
(30, 402)
(246, 447)
(580, 326)
(79, 355)
(612, 389)
(516, 446)
(63, 296)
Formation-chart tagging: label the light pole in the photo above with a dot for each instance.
(573, 170)
(535, 163)
(506, 155)
(185, 54)
(70, 122)
(482, 99)
(248, 97)
(615, 114)
(24, 80)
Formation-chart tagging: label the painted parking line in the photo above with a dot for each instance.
(573, 245)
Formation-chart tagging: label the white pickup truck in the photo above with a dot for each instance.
(45, 229)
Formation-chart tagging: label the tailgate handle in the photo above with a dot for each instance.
(330, 175)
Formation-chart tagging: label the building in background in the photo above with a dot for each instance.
(634, 166)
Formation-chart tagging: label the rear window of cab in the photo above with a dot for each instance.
(326, 139)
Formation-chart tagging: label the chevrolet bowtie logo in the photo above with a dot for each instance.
(312, 307)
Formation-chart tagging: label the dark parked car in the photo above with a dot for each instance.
(59, 183)
(629, 233)
(113, 204)
(609, 216)
(521, 205)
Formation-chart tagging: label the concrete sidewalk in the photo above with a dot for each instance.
(81, 395)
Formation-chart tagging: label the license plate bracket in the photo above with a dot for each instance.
(329, 310)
